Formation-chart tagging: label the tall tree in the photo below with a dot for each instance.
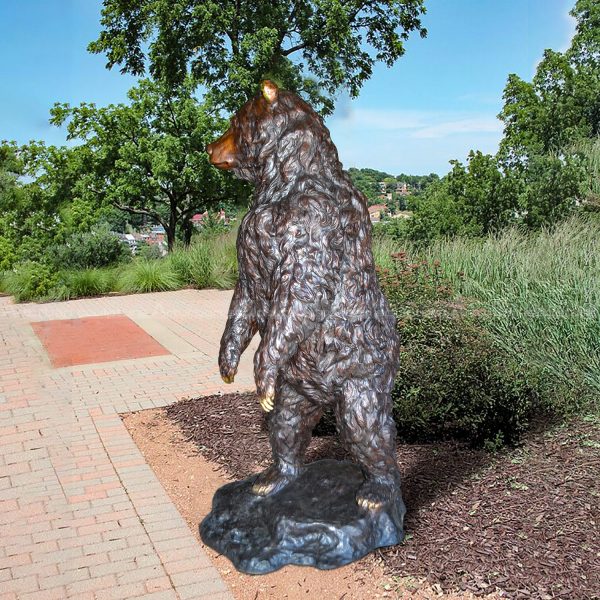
(562, 103)
(487, 196)
(35, 181)
(147, 157)
(312, 47)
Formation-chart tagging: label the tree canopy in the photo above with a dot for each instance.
(228, 46)
(147, 157)
(562, 102)
(548, 161)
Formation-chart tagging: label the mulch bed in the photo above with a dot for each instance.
(525, 522)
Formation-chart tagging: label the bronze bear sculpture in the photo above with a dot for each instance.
(307, 284)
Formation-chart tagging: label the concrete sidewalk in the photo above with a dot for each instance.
(81, 513)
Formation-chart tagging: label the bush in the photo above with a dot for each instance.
(32, 249)
(452, 380)
(7, 254)
(99, 248)
(149, 252)
(30, 281)
(3, 281)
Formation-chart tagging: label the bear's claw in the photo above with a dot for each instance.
(267, 402)
(271, 481)
(374, 494)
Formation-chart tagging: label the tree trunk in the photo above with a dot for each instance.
(188, 230)
(171, 229)
(170, 239)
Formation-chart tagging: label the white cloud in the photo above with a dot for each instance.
(412, 141)
(387, 119)
(468, 125)
(420, 124)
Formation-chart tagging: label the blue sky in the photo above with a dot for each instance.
(440, 100)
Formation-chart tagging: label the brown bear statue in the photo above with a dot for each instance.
(307, 285)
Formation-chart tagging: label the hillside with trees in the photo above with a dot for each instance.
(548, 163)
(376, 184)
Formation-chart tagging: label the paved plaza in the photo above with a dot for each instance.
(81, 513)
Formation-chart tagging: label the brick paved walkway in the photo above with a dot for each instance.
(81, 513)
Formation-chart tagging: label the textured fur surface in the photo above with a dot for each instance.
(308, 285)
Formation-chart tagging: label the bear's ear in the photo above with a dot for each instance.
(269, 91)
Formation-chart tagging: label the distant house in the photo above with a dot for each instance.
(402, 188)
(129, 240)
(198, 219)
(375, 212)
(157, 235)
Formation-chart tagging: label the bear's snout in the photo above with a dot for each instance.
(222, 152)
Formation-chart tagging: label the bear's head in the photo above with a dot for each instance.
(275, 136)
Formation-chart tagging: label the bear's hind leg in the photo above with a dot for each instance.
(364, 416)
(290, 426)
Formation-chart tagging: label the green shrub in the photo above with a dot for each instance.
(98, 248)
(209, 262)
(4, 275)
(32, 248)
(149, 276)
(589, 152)
(7, 254)
(397, 228)
(149, 252)
(193, 265)
(30, 281)
(224, 271)
(452, 380)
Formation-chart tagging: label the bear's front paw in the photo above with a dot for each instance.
(229, 358)
(375, 494)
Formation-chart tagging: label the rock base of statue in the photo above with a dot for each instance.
(314, 521)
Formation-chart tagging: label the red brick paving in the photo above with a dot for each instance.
(78, 503)
(70, 342)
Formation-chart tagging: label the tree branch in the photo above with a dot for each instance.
(140, 211)
(234, 34)
(295, 48)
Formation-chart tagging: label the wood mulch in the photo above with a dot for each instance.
(524, 523)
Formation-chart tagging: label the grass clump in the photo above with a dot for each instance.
(149, 276)
(209, 262)
(88, 282)
(540, 294)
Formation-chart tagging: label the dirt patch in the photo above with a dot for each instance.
(191, 480)
(524, 523)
